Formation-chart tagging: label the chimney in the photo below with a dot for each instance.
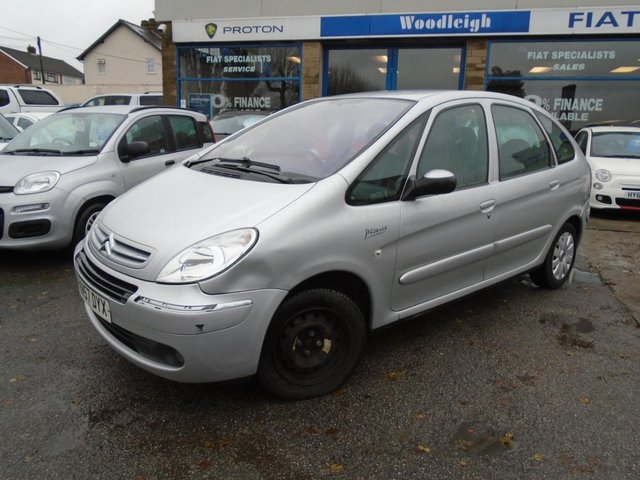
(150, 24)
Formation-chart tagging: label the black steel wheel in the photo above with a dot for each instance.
(313, 344)
(85, 221)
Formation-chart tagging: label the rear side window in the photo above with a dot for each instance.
(37, 97)
(559, 139)
(150, 130)
(151, 100)
(185, 132)
(4, 98)
(206, 132)
(522, 147)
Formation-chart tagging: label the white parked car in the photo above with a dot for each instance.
(613, 153)
(7, 131)
(24, 120)
(148, 98)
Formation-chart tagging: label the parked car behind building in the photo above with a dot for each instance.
(56, 176)
(275, 251)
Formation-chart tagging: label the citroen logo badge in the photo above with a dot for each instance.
(109, 243)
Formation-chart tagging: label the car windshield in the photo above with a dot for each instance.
(616, 144)
(71, 132)
(314, 139)
(7, 131)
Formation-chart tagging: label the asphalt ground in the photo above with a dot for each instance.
(513, 382)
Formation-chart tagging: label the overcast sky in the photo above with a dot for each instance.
(66, 27)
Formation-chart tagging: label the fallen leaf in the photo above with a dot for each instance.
(336, 468)
(423, 449)
(208, 444)
(463, 462)
(338, 392)
(225, 442)
(420, 415)
(584, 400)
(507, 440)
(396, 375)
(18, 378)
(538, 457)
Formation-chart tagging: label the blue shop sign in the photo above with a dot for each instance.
(459, 23)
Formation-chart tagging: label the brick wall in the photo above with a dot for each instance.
(311, 70)
(169, 69)
(476, 63)
(12, 72)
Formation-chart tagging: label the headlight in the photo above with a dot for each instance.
(209, 257)
(603, 175)
(36, 183)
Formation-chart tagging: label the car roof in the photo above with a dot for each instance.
(127, 109)
(614, 128)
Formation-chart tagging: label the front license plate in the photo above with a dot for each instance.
(635, 195)
(97, 303)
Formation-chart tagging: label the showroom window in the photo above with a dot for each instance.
(578, 82)
(393, 68)
(214, 79)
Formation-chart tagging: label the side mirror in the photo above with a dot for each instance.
(130, 151)
(434, 182)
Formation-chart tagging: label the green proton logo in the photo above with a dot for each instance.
(211, 29)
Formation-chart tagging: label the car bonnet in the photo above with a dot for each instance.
(13, 168)
(181, 207)
(617, 166)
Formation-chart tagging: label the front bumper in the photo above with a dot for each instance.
(43, 223)
(177, 331)
(622, 192)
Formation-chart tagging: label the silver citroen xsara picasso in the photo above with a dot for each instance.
(274, 252)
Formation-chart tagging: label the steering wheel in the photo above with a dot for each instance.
(62, 142)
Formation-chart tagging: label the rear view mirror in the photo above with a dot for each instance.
(434, 182)
(130, 151)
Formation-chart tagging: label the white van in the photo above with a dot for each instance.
(18, 98)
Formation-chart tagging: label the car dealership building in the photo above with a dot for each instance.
(581, 63)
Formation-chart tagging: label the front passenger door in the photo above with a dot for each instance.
(445, 240)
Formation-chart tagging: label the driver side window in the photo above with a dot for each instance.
(384, 178)
(150, 130)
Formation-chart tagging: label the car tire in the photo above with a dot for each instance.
(85, 220)
(557, 266)
(313, 344)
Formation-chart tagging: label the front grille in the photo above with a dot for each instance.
(628, 203)
(6, 189)
(117, 250)
(102, 282)
(148, 348)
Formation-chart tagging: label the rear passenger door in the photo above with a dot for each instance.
(171, 139)
(528, 187)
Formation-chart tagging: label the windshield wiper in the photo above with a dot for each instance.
(245, 161)
(34, 150)
(82, 152)
(273, 176)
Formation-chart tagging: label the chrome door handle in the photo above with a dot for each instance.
(488, 206)
(554, 184)
(168, 163)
